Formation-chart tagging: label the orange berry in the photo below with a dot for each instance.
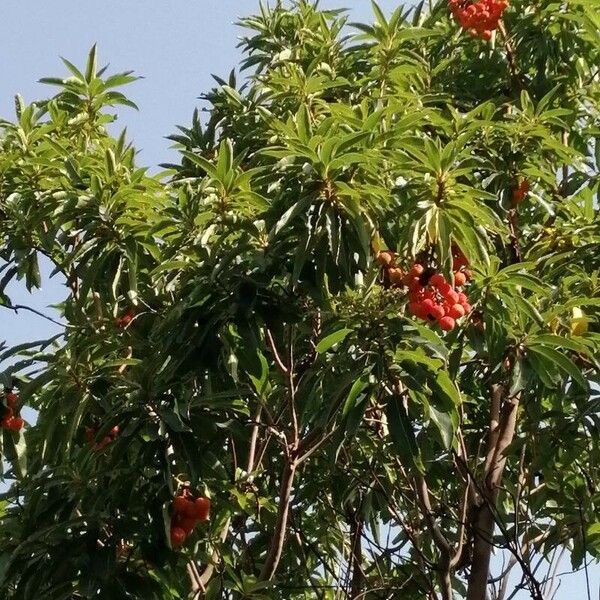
(396, 276)
(385, 258)
(460, 279)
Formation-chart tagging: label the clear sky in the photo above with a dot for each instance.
(175, 45)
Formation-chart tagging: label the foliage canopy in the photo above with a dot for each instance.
(229, 317)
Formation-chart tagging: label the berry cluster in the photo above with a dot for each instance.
(187, 512)
(519, 192)
(479, 18)
(432, 298)
(90, 436)
(9, 420)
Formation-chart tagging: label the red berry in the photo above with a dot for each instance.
(462, 298)
(417, 310)
(437, 280)
(124, 320)
(467, 307)
(427, 305)
(178, 536)
(18, 423)
(11, 399)
(414, 308)
(460, 279)
(102, 444)
(180, 505)
(187, 524)
(438, 312)
(457, 311)
(90, 434)
(486, 35)
(202, 506)
(445, 289)
(451, 296)
(447, 323)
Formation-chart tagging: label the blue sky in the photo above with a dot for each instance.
(176, 45)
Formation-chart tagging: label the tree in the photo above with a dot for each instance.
(358, 321)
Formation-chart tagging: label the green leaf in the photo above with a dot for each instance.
(92, 65)
(332, 339)
(402, 434)
(561, 361)
(355, 391)
(446, 424)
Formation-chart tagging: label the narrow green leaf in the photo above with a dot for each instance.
(332, 339)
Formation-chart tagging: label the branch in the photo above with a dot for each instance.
(18, 307)
(438, 537)
(356, 527)
(276, 356)
(276, 547)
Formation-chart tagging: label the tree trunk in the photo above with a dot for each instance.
(503, 421)
(482, 551)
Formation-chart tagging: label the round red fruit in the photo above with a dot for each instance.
(124, 320)
(414, 308)
(187, 524)
(437, 280)
(178, 536)
(451, 296)
(467, 307)
(202, 506)
(418, 310)
(438, 312)
(427, 305)
(11, 399)
(17, 424)
(457, 311)
(460, 279)
(180, 505)
(447, 323)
